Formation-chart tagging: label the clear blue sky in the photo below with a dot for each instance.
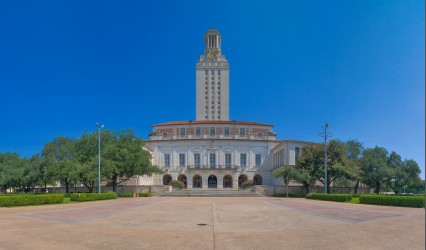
(295, 64)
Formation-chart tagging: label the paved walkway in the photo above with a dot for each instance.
(212, 223)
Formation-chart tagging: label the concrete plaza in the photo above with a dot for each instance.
(212, 223)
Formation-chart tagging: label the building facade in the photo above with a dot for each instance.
(213, 151)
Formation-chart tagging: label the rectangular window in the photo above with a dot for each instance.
(181, 159)
(258, 160)
(212, 130)
(242, 131)
(259, 135)
(198, 131)
(228, 160)
(243, 160)
(197, 161)
(182, 131)
(297, 152)
(212, 160)
(166, 160)
(226, 131)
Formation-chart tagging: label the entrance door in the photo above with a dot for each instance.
(227, 181)
(196, 182)
(212, 181)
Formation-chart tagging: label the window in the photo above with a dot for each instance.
(258, 160)
(198, 132)
(182, 132)
(212, 160)
(226, 131)
(206, 117)
(166, 160)
(228, 160)
(165, 134)
(212, 131)
(242, 131)
(218, 117)
(181, 159)
(218, 72)
(297, 152)
(259, 135)
(206, 72)
(197, 162)
(243, 160)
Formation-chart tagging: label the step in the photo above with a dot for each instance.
(212, 193)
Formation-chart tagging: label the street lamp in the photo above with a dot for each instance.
(325, 135)
(99, 155)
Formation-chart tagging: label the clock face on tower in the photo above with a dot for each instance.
(213, 54)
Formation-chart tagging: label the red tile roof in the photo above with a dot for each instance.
(207, 122)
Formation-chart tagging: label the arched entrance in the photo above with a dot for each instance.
(167, 180)
(257, 180)
(227, 181)
(212, 181)
(242, 178)
(197, 181)
(182, 178)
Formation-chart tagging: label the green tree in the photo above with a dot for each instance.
(46, 171)
(375, 168)
(405, 172)
(10, 171)
(61, 154)
(338, 164)
(124, 156)
(354, 150)
(86, 153)
(286, 173)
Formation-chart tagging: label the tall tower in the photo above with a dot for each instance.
(212, 80)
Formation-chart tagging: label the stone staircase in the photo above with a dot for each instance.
(212, 193)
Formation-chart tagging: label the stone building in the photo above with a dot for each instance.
(213, 151)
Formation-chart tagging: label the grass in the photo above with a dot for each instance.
(354, 201)
(68, 201)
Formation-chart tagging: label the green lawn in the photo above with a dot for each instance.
(354, 201)
(68, 200)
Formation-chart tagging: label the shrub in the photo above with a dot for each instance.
(128, 194)
(177, 184)
(356, 195)
(297, 195)
(144, 194)
(329, 197)
(67, 195)
(393, 200)
(24, 200)
(93, 196)
(247, 184)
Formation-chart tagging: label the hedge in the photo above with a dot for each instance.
(93, 196)
(24, 200)
(144, 194)
(392, 200)
(329, 197)
(125, 194)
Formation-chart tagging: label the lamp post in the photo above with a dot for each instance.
(325, 135)
(99, 155)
